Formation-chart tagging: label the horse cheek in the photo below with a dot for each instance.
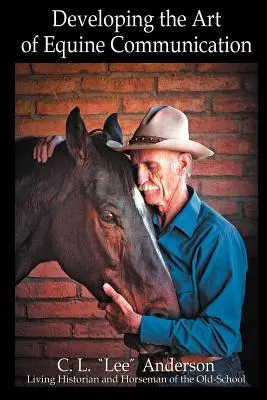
(114, 245)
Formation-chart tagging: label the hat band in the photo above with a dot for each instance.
(146, 139)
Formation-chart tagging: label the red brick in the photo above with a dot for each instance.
(95, 329)
(105, 84)
(217, 168)
(212, 124)
(206, 140)
(247, 227)
(94, 123)
(68, 309)
(46, 127)
(24, 107)
(86, 293)
(26, 348)
(251, 168)
(250, 126)
(140, 104)
(227, 67)
(20, 310)
(46, 290)
(234, 104)
(46, 86)
(48, 270)
(27, 366)
(87, 106)
(130, 124)
(251, 209)
(22, 69)
(86, 349)
(234, 146)
(40, 127)
(67, 68)
(39, 329)
(147, 67)
(224, 207)
(233, 187)
(198, 83)
(194, 183)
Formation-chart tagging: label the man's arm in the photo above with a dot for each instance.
(215, 331)
(222, 267)
(45, 147)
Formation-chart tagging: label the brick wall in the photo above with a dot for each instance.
(57, 317)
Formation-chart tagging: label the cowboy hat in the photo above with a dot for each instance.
(163, 128)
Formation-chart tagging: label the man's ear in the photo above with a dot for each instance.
(112, 129)
(77, 137)
(185, 162)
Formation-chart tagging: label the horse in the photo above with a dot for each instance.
(83, 210)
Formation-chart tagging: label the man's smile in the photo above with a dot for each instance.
(148, 187)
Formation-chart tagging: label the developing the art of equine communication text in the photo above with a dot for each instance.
(119, 43)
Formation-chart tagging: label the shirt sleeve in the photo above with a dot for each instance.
(220, 265)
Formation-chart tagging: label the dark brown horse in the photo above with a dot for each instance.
(83, 210)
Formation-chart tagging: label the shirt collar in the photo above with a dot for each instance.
(186, 219)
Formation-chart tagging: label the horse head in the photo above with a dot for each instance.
(93, 220)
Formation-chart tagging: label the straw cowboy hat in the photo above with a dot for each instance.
(163, 128)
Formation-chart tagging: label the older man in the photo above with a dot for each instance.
(205, 255)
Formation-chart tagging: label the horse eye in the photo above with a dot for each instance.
(108, 217)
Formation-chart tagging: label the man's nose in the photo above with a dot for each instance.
(142, 175)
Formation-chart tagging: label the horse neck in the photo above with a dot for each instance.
(36, 193)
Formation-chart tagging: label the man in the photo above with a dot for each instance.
(205, 255)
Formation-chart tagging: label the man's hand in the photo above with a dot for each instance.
(45, 147)
(120, 314)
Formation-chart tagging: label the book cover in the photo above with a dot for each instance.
(62, 337)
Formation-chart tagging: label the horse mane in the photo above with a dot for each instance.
(115, 163)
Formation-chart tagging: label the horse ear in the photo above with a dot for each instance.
(112, 128)
(77, 136)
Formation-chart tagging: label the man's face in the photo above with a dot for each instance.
(157, 174)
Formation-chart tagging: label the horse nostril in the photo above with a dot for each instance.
(158, 313)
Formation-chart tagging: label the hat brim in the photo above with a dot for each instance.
(197, 150)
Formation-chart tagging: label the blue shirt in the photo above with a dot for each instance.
(207, 260)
